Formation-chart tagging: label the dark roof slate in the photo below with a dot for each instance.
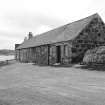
(63, 33)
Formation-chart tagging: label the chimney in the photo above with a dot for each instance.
(17, 45)
(30, 35)
(25, 38)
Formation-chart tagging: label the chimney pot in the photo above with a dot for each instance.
(30, 35)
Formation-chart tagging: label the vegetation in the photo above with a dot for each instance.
(96, 55)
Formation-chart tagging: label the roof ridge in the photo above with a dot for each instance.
(95, 14)
(62, 33)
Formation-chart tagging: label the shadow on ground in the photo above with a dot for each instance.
(97, 67)
(66, 66)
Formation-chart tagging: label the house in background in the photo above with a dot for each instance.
(64, 45)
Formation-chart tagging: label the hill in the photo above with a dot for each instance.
(6, 52)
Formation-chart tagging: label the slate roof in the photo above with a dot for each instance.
(63, 33)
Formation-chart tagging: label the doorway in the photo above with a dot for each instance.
(58, 52)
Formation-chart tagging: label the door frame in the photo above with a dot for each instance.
(58, 54)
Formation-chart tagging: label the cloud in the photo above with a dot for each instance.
(18, 17)
(15, 26)
(24, 21)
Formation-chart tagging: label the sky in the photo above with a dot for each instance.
(19, 17)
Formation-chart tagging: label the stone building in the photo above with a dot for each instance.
(64, 45)
(16, 52)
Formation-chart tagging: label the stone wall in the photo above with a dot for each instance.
(38, 55)
(66, 53)
(17, 55)
(47, 54)
(93, 35)
(41, 55)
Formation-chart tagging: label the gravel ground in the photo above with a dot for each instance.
(27, 84)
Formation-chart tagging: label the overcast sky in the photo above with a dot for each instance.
(18, 17)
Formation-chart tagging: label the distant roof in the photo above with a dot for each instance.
(63, 33)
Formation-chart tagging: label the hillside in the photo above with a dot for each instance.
(6, 52)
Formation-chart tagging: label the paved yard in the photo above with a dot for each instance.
(27, 84)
